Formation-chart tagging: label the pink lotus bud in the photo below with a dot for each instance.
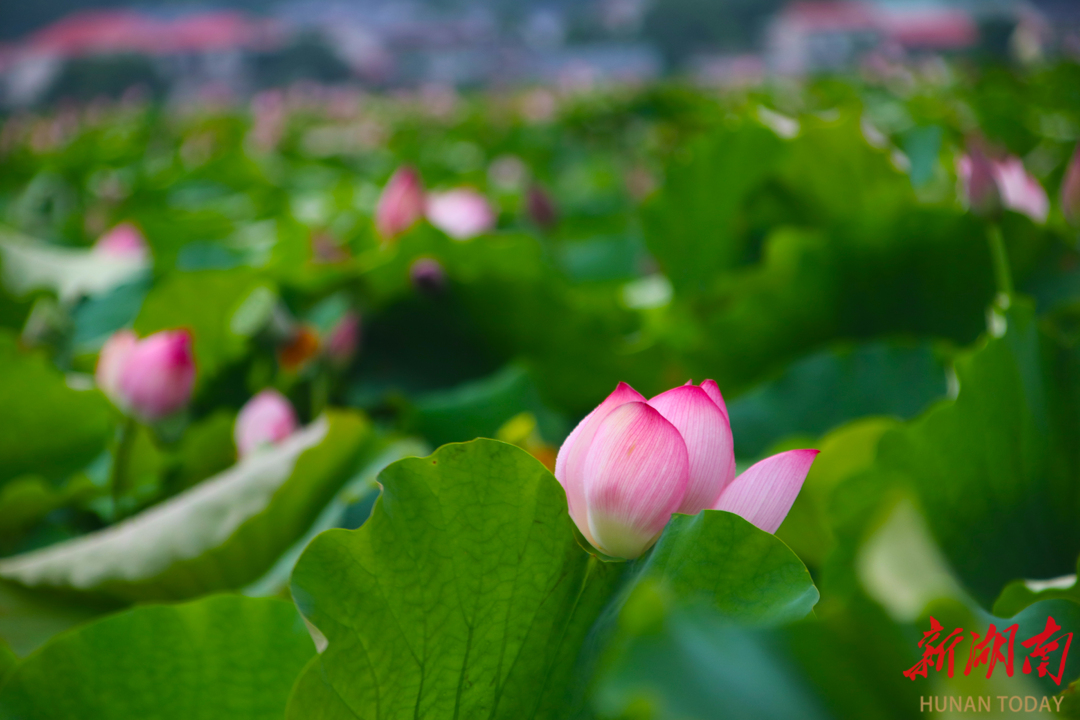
(401, 204)
(462, 213)
(630, 464)
(149, 378)
(1070, 190)
(427, 276)
(764, 492)
(1019, 190)
(978, 187)
(266, 419)
(541, 208)
(123, 241)
(343, 340)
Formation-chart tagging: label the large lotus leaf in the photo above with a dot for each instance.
(507, 300)
(721, 559)
(221, 656)
(498, 625)
(464, 594)
(221, 534)
(822, 391)
(677, 660)
(927, 273)
(47, 428)
(691, 226)
(995, 470)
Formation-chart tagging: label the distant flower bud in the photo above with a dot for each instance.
(266, 419)
(978, 188)
(428, 276)
(123, 241)
(401, 204)
(344, 339)
(150, 378)
(1070, 190)
(541, 208)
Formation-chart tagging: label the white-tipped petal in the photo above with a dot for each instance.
(707, 434)
(569, 463)
(636, 472)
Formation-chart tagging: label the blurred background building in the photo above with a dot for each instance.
(78, 49)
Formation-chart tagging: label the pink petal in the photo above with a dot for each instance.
(570, 462)
(344, 339)
(401, 203)
(1019, 190)
(111, 361)
(636, 473)
(1070, 189)
(123, 241)
(266, 419)
(707, 434)
(158, 375)
(763, 494)
(713, 391)
(978, 187)
(462, 213)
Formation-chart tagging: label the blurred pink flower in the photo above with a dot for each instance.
(149, 378)
(633, 462)
(1019, 190)
(401, 204)
(343, 339)
(978, 188)
(988, 184)
(1070, 189)
(541, 207)
(461, 213)
(427, 276)
(123, 241)
(266, 419)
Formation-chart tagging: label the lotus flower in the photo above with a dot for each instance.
(123, 241)
(978, 187)
(1020, 191)
(149, 378)
(401, 204)
(989, 184)
(462, 213)
(1070, 190)
(633, 462)
(343, 339)
(266, 419)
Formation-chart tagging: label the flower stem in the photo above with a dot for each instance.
(118, 479)
(320, 393)
(1000, 259)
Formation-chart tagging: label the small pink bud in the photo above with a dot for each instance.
(427, 276)
(1070, 189)
(541, 208)
(462, 213)
(123, 241)
(343, 340)
(266, 419)
(978, 186)
(401, 204)
(149, 378)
